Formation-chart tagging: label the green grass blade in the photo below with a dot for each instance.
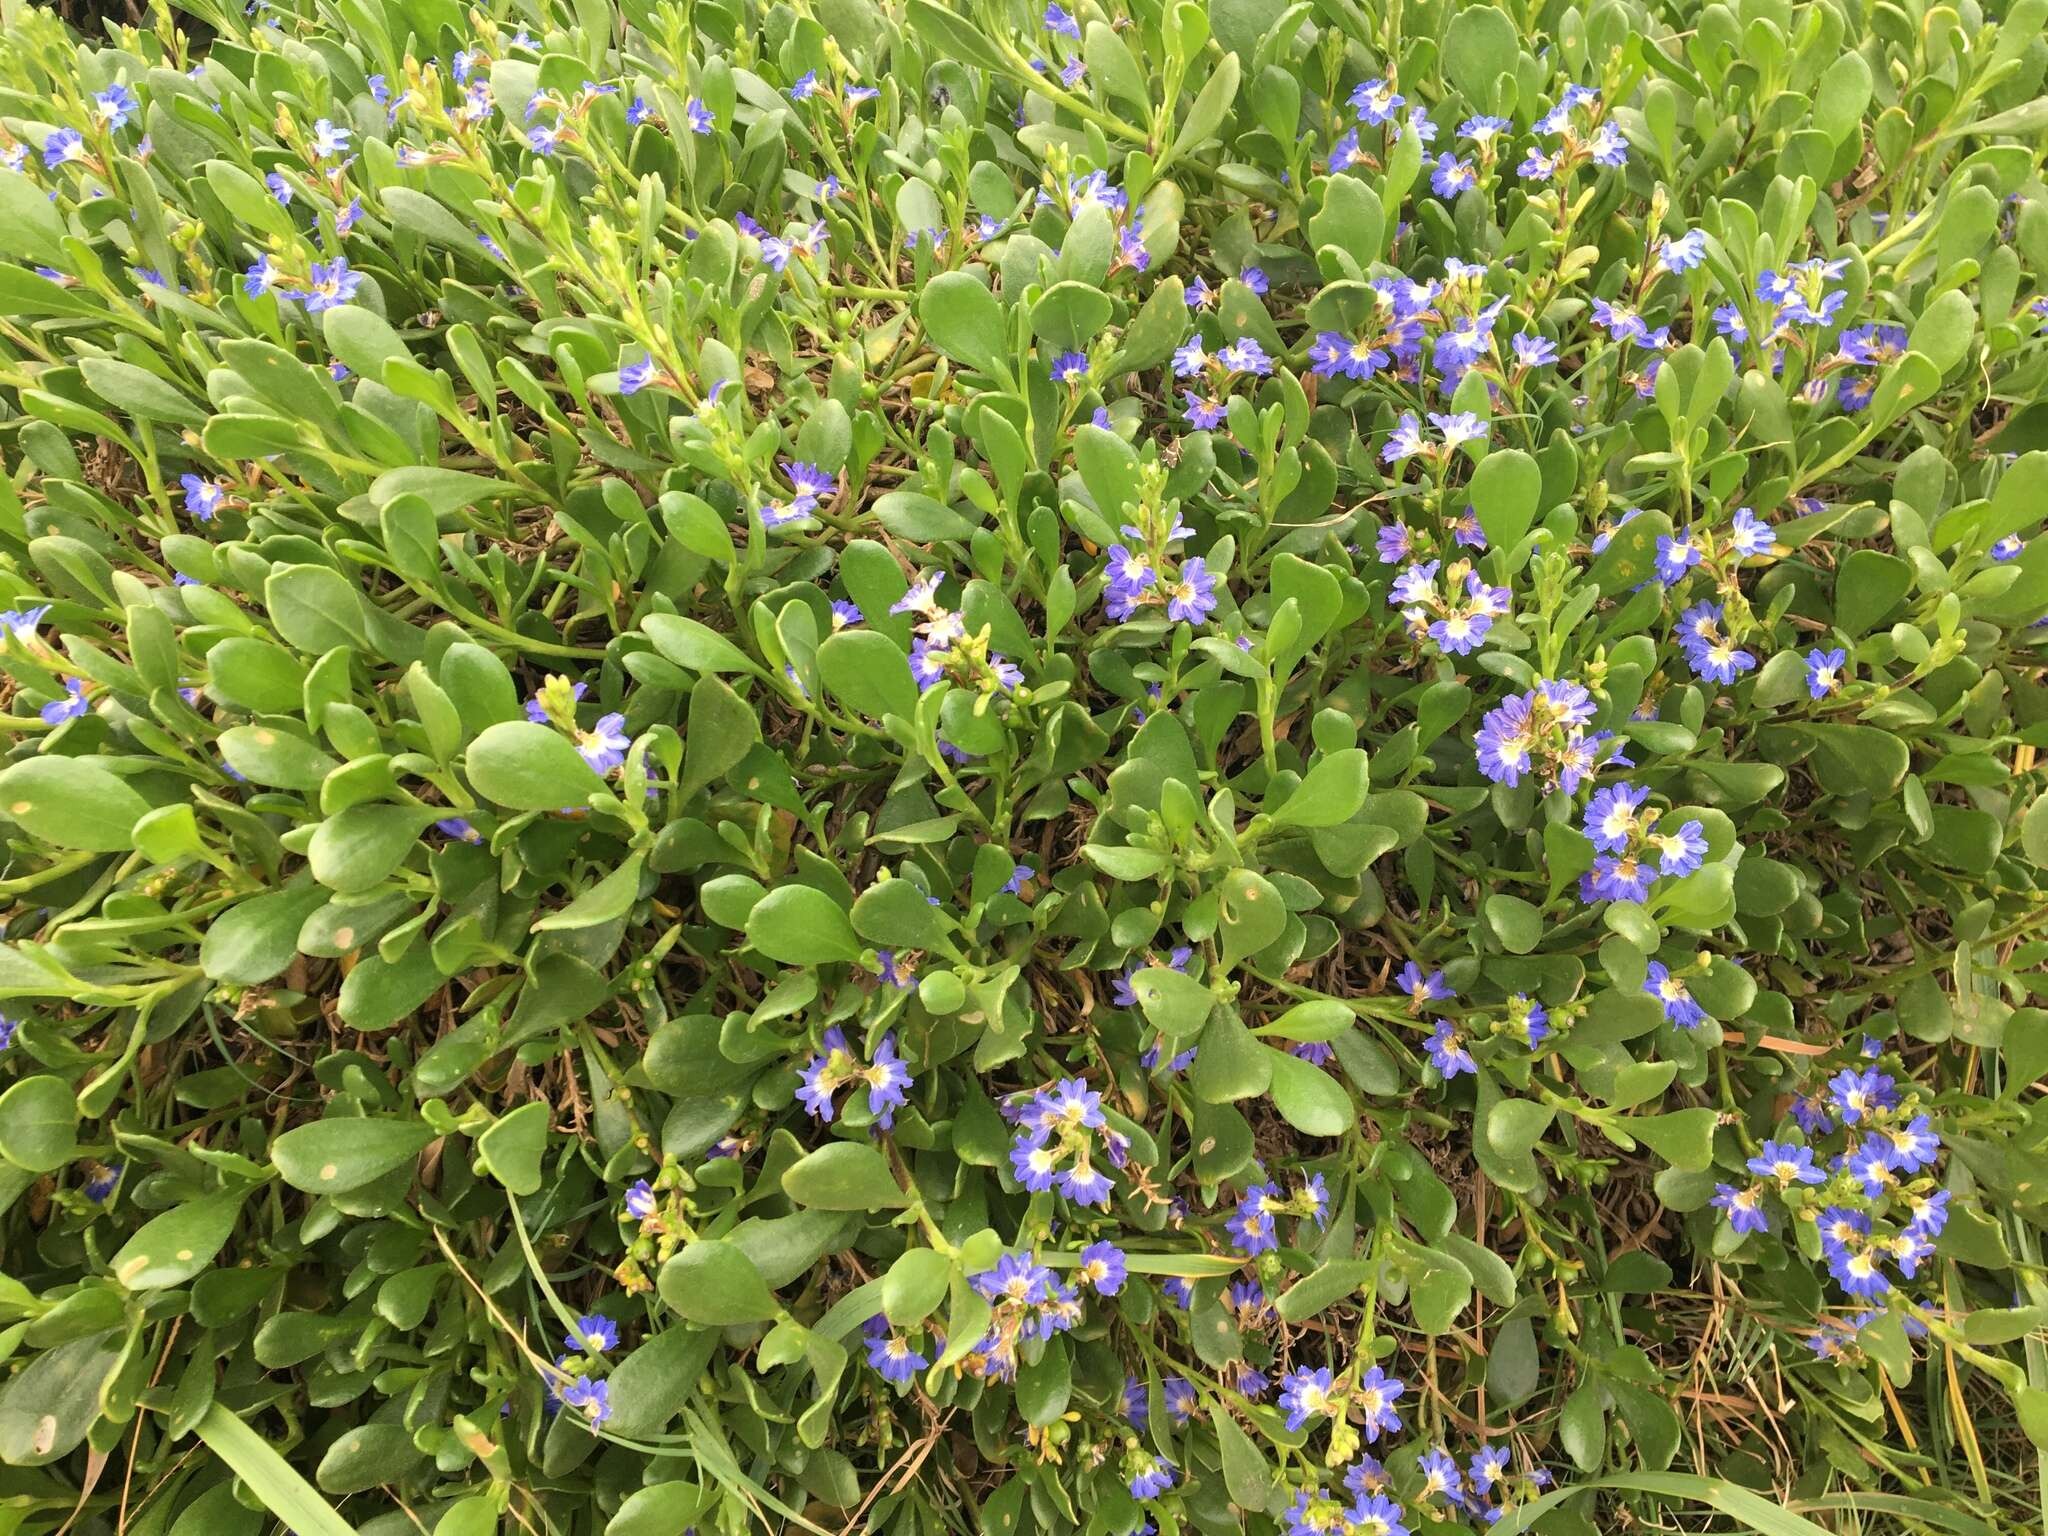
(283, 1492)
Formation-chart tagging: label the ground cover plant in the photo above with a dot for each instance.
(866, 765)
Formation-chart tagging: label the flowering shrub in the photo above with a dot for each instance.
(876, 765)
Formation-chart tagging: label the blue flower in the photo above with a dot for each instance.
(1683, 253)
(594, 1335)
(1254, 278)
(1334, 355)
(1744, 1207)
(1857, 1272)
(70, 706)
(66, 144)
(1787, 1162)
(1375, 1396)
(330, 284)
(806, 86)
(1103, 1267)
(1679, 1007)
(1245, 355)
(1488, 1466)
(1152, 1479)
(1191, 595)
(889, 1353)
(1856, 1095)
(1070, 368)
(1060, 22)
(1452, 176)
(1750, 536)
(593, 1397)
(114, 105)
(1611, 823)
(458, 828)
(1913, 1146)
(634, 377)
(1533, 351)
(640, 1200)
(1447, 1053)
(1680, 852)
(328, 139)
(1440, 1474)
(203, 497)
(1376, 101)
(99, 1184)
(1870, 1165)
(604, 745)
(1423, 990)
(1616, 877)
(1305, 1395)
(7, 1028)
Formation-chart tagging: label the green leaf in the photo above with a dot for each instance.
(176, 1246)
(1229, 1063)
(713, 1283)
(1307, 1096)
(39, 1124)
(800, 925)
(31, 229)
(693, 646)
(1350, 219)
(844, 1176)
(1516, 1125)
(138, 392)
(46, 1408)
(1516, 923)
(255, 940)
(915, 1285)
(607, 901)
(722, 730)
(897, 914)
(1481, 48)
(868, 673)
(364, 844)
(1246, 1474)
(1438, 1295)
(1211, 107)
(1333, 791)
(331, 1157)
(314, 608)
(1045, 1387)
(511, 1147)
(275, 758)
(964, 321)
(367, 1456)
(1507, 485)
(1251, 914)
(1942, 333)
(1071, 315)
(1325, 1288)
(1683, 1138)
(71, 802)
(1868, 587)
(953, 36)
(528, 767)
(1174, 1002)
(1320, 1018)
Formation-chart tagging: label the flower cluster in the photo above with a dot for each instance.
(887, 1079)
(1630, 854)
(1055, 1146)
